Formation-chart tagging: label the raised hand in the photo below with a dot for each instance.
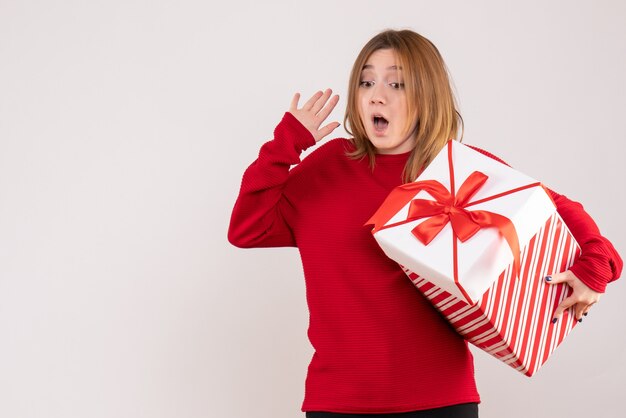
(314, 112)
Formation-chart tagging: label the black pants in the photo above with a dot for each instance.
(465, 410)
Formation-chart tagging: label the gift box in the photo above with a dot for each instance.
(477, 237)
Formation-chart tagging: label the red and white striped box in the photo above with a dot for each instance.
(478, 244)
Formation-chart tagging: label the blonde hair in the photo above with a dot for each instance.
(430, 100)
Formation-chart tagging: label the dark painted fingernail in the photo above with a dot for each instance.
(548, 278)
(586, 313)
(554, 320)
(580, 320)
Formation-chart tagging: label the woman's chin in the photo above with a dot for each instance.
(382, 143)
(390, 145)
(378, 139)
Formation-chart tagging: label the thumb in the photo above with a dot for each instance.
(556, 278)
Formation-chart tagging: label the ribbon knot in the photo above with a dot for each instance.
(440, 211)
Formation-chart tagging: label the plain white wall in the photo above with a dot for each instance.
(125, 127)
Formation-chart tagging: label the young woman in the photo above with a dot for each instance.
(380, 347)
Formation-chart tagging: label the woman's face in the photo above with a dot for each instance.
(383, 104)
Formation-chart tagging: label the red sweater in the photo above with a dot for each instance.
(380, 346)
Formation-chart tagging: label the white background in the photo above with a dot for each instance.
(125, 127)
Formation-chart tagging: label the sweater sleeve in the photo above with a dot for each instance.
(599, 262)
(256, 220)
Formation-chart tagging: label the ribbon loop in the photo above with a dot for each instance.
(470, 186)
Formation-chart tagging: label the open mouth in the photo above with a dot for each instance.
(380, 123)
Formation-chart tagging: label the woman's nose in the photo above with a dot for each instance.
(378, 95)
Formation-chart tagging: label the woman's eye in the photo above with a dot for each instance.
(366, 83)
(397, 86)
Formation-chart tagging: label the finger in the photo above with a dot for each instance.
(556, 278)
(309, 104)
(588, 308)
(294, 102)
(326, 130)
(323, 114)
(566, 303)
(579, 309)
(321, 101)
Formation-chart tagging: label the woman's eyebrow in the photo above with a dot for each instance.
(370, 66)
